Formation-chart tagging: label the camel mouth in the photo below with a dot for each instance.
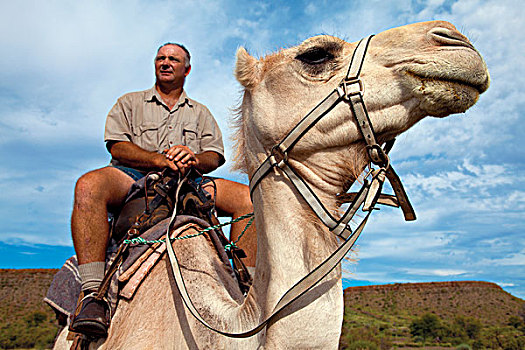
(442, 93)
(480, 82)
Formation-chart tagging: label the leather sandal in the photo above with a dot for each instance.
(92, 316)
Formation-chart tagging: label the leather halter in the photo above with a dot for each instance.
(349, 91)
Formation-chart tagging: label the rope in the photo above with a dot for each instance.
(228, 247)
(140, 240)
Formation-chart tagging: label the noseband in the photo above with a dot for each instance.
(349, 91)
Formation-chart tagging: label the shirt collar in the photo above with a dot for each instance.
(153, 95)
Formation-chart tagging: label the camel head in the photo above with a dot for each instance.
(410, 72)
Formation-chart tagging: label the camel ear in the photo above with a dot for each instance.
(246, 69)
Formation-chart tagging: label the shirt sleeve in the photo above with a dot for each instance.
(118, 122)
(211, 136)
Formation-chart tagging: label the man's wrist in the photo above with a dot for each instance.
(160, 161)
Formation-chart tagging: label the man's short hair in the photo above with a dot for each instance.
(188, 56)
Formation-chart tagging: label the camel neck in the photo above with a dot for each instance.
(291, 243)
(294, 239)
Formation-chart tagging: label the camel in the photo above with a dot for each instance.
(409, 72)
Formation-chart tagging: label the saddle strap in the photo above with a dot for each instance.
(80, 342)
(106, 281)
(296, 291)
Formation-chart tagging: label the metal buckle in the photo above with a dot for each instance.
(344, 88)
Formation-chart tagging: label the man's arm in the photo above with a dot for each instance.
(133, 156)
(176, 158)
(208, 161)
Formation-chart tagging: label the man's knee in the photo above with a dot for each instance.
(245, 200)
(235, 197)
(89, 185)
(102, 185)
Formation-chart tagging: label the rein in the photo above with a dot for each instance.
(349, 91)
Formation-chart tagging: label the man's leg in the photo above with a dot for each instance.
(95, 193)
(233, 198)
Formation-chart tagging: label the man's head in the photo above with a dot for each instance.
(188, 56)
(172, 64)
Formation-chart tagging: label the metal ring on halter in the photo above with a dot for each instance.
(378, 156)
(278, 156)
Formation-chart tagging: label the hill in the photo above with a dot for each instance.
(485, 301)
(480, 315)
(25, 320)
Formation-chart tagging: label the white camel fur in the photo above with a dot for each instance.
(423, 69)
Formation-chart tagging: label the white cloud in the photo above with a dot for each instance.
(482, 179)
(409, 244)
(310, 9)
(22, 238)
(374, 277)
(435, 272)
(505, 284)
(515, 259)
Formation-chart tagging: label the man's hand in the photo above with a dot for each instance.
(180, 158)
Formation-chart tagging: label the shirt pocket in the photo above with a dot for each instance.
(190, 137)
(146, 136)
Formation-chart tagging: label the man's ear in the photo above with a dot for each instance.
(187, 71)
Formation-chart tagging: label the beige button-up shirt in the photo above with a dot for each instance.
(144, 119)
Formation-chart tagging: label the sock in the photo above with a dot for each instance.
(91, 274)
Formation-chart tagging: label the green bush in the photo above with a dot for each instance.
(32, 331)
(516, 322)
(462, 330)
(470, 326)
(506, 338)
(362, 345)
(427, 327)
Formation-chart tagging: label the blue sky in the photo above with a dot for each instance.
(64, 64)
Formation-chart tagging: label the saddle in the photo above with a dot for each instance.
(154, 199)
(145, 213)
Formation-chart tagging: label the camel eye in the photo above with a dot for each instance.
(315, 55)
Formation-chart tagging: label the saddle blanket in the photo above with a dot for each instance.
(64, 290)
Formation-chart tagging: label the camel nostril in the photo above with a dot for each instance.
(445, 36)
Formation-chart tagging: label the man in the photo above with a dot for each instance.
(148, 130)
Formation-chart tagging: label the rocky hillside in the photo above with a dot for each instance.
(485, 301)
(25, 320)
(376, 317)
(438, 315)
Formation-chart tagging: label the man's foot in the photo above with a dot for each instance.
(91, 316)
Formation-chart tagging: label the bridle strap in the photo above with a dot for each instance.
(295, 292)
(338, 227)
(280, 151)
(401, 195)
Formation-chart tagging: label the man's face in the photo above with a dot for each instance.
(170, 65)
